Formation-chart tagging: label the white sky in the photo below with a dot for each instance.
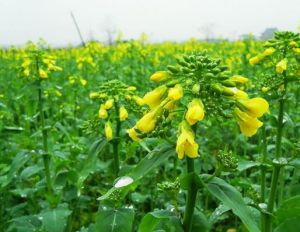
(23, 20)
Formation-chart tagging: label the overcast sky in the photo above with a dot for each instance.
(23, 20)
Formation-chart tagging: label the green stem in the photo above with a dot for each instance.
(263, 176)
(263, 167)
(272, 198)
(116, 143)
(191, 199)
(46, 156)
(276, 167)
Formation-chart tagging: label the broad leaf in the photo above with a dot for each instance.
(55, 220)
(160, 220)
(114, 220)
(231, 198)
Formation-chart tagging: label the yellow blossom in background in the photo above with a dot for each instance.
(154, 97)
(108, 131)
(195, 112)
(269, 51)
(43, 74)
(160, 76)
(83, 82)
(248, 125)
(147, 122)
(254, 60)
(175, 93)
(102, 112)
(108, 104)
(186, 144)
(123, 114)
(255, 107)
(281, 66)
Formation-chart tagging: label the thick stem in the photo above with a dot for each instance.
(191, 199)
(263, 176)
(46, 156)
(272, 198)
(276, 167)
(263, 167)
(116, 143)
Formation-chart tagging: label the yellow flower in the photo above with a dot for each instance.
(239, 79)
(123, 114)
(265, 89)
(195, 111)
(108, 104)
(102, 112)
(186, 144)
(83, 82)
(281, 66)
(147, 122)
(133, 134)
(160, 76)
(297, 50)
(255, 107)
(248, 125)
(131, 88)
(237, 93)
(269, 51)
(94, 95)
(108, 131)
(138, 100)
(175, 93)
(154, 97)
(254, 60)
(43, 74)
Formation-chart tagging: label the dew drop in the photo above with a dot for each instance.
(123, 181)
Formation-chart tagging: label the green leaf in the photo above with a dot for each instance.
(246, 164)
(289, 225)
(55, 220)
(30, 171)
(18, 162)
(147, 164)
(231, 198)
(90, 164)
(200, 223)
(114, 220)
(288, 209)
(160, 220)
(28, 223)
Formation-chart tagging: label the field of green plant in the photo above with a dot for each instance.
(137, 136)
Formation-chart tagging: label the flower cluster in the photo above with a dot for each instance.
(198, 86)
(117, 99)
(37, 64)
(281, 58)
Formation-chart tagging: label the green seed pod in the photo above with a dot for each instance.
(196, 89)
(228, 83)
(173, 69)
